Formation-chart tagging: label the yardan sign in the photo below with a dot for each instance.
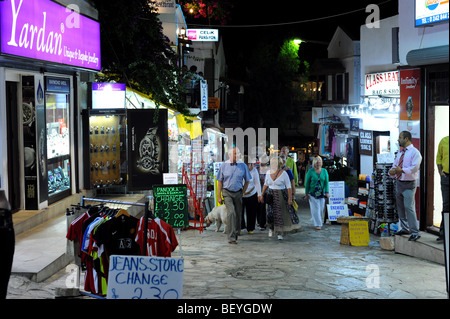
(45, 30)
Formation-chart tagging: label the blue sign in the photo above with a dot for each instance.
(59, 85)
(204, 95)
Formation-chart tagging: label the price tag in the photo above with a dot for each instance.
(171, 204)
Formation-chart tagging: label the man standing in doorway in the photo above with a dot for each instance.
(442, 164)
(232, 181)
(406, 170)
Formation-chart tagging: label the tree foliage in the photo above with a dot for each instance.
(216, 10)
(272, 97)
(136, 52)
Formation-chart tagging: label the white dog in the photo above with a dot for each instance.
(218, 214)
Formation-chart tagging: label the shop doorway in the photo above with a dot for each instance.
(13, 145)
(441, 129)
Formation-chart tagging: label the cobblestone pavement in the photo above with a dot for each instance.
(310, 264)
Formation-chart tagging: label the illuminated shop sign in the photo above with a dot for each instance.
(382, 83)
(430, 12)
(45, 30)
(203, 34)
(108, 95)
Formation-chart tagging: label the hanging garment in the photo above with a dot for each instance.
(161, 239)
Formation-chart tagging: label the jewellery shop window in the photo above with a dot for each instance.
(58, 138)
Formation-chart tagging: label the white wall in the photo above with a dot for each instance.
(376, 48)
(376, 56)
(348, 51)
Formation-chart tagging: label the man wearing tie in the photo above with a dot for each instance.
(406, 170)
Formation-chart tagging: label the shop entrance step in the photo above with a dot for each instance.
(426, 247)
(41, 252)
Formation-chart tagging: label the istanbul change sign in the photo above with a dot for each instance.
(45, 30)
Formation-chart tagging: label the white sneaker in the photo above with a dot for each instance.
(280, 237)
(270, 232)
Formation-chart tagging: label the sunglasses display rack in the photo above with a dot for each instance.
(383, 201)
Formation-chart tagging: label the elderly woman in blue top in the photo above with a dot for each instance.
(316, 189)
(232, 182)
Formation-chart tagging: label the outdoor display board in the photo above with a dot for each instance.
(358, 232)
(145, 277)
(171, 204)
(337, 207)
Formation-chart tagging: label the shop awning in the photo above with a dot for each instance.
(433, 55)
(194, 128)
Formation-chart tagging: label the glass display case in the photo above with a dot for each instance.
(57, 115)
(105, 140)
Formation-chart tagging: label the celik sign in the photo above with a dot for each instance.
(203, 35)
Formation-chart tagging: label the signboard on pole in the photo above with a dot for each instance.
(145, 277)
(203, 95)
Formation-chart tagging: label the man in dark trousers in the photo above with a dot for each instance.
(233, 178)
(406, 170)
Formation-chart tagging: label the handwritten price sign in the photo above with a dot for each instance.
(141, 277)
(171, 204)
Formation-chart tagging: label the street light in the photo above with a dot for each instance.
(298, 41)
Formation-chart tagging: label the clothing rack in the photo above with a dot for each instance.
(147, 214)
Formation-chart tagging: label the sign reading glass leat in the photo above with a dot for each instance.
(171, 204)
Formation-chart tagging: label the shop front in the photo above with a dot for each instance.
(46, 51)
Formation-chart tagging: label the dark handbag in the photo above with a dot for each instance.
(268, 198)
(318, 190)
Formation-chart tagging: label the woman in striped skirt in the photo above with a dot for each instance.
(281, 216)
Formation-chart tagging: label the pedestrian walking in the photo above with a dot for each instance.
(291, 164)
(233, 179)
(250, 199)
(442, 164)
(281, 216)
(406, 171)
(261, 214)
(317, 190)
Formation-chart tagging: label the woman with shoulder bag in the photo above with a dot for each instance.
(316, 190)
(281, 219)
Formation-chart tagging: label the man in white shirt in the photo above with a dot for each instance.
(406, 170)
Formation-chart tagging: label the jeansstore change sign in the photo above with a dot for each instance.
(45, 30)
